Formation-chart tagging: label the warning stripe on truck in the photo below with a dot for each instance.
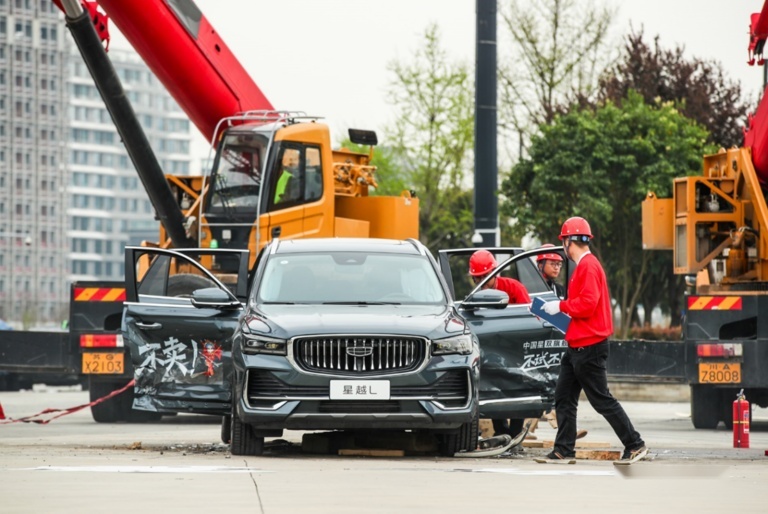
(99, 294)
(714, 303)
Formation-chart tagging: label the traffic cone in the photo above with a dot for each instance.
(2, 414)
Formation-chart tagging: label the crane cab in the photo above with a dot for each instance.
(276, 175)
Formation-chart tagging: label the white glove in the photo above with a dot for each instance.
(551, 308)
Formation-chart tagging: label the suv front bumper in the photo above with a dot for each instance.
(438, 396)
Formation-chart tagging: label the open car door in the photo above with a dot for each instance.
(178, 321)
(520, 353)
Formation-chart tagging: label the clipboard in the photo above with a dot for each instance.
(560, 320)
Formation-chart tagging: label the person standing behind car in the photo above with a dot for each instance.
(482, 263)
(549, 265)
(583, 366)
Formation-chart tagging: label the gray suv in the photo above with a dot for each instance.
(352, 334)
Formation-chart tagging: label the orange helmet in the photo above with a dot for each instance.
(548, 256)
(576, 228)
(481, 263)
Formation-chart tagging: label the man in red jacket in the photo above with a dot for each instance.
(583, 364)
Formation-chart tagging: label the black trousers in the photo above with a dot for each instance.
(584, 369)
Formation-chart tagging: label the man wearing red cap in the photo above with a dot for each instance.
(583, 366)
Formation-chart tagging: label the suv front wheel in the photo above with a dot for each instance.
(243, 440)
(464, 439)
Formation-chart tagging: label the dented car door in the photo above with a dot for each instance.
(178, 321)
(520, 353)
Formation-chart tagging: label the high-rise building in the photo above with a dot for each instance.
(70, 199)
(33, 174)
(108, 207)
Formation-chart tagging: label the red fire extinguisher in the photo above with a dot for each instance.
(741, 421)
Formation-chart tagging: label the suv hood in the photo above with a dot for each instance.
(432, 321)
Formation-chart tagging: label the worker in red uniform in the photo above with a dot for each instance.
(584, 362)
(481, 263)
(549, 265)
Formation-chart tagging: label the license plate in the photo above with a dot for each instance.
(103, 363)
(719, 372)
(359, 389)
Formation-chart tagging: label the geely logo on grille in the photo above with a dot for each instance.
(360, 351)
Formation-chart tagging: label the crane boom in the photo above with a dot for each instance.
(188, 56)
(756, 132)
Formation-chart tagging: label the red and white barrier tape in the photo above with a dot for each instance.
(64, 412)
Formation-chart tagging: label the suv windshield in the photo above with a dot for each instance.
(349, 277)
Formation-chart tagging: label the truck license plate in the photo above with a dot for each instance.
(103, 363)
(359, 389)
(719, 372)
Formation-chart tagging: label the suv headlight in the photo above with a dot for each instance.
(457, 344)
(254, 343)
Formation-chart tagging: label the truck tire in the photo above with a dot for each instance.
(226, 429)
(108, 411)
(727, 397)
(118, 408)
(463, 439)
(243, 440)
(706, 406)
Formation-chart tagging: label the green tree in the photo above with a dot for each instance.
(432, 137)
(600, 163)
(699, 88)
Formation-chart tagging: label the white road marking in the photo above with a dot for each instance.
(544, 472)
(145, 469)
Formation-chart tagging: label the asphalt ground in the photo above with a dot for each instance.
(73, 464)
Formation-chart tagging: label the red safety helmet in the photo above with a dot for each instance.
(548, 256)
(481, 263)
(576, 228)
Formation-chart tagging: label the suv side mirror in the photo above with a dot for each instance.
(213, 297)
(486, 299)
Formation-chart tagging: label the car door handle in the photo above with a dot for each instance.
(276, 231)
(149, 326)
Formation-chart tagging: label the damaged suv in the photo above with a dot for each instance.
(352, 334)
(333, 334)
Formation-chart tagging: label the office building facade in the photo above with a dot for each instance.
(70, 198)
(33, 173)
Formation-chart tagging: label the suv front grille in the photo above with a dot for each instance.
(360, 355)
(453, 385)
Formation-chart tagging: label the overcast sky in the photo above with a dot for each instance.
(329, 57)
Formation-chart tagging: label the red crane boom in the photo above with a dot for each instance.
(187, 55)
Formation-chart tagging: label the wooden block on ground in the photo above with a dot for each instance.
(592, 444)
(371, 452)
(486, 428)
(598, 454)
(401, 441)
(579, 444)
